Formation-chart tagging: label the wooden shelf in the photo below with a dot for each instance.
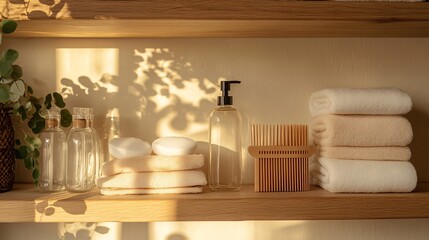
(26, 204)
(221, 18)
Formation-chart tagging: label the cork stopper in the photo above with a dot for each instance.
(51, 123)
(80, 117)
(79, 123)
(53, 118)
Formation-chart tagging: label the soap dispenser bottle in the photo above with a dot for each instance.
(225, 143)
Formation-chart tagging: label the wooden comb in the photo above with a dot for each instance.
(281, 157)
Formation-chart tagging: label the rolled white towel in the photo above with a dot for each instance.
(361, 130)
(366, 153)
(134, 191)
(154, 180)
(371, 101)
(337, 175)
(152, 163)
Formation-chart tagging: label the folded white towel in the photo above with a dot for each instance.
(373, 101)
(366, 153)
(337, 175)
(154, 180)
(152, 163)
(361, 130)
(134, 191)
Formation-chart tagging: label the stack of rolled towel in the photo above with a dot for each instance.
(175, 169)
(362, 140)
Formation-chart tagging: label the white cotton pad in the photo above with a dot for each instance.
(174, 146)
(129, 147)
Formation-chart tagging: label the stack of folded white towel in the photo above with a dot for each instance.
(362, 140)
(153, 174)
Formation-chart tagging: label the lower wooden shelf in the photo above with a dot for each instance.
(26, 204)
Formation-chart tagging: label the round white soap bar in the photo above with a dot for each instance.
(173, 146)
(129, 147)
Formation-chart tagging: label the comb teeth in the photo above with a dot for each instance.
(281, 157)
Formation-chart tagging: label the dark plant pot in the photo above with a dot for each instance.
(7, 156)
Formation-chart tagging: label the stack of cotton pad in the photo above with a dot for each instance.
(174, 168)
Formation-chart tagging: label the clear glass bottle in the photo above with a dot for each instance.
(52, 161)
(98, 153)
(225, 143)
(81, 157)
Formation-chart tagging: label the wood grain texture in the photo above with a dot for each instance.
(204, 18)
(218, 28)
(220, 9)
(26, 204)
(281, 157)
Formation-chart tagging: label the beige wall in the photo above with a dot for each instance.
(169, 86)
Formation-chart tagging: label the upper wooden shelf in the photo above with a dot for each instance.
(26, 204)
(221, 18)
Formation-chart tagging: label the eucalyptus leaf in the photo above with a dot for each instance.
(33, 100)
(66, 117)
(17, 89)
(32, 123)
(8, 26)
(5, 68)
(17, 154)
(39, 126)
(28, 163)
(23, 151)
(36, 123)
(30, 148)
(59, 100)
(29, 90)
(36, 142)
(6, 81)
(36, 153)
(4, 93)
(35, 174)
(10, 55)
(16, 72)
(23, 113)
(37, 106)
(48, 101)
(28, 105)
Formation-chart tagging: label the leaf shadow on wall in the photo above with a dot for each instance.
(47, 8)
(159, 92)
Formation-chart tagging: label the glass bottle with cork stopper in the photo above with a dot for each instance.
(81, 157)
(53, 147)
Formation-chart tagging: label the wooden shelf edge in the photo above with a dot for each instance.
(215, 10)
(222, 18)
(219, 28)
(26, 204)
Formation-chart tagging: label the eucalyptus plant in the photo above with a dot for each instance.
(17, 97)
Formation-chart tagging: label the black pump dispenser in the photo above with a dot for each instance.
(225, 86)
